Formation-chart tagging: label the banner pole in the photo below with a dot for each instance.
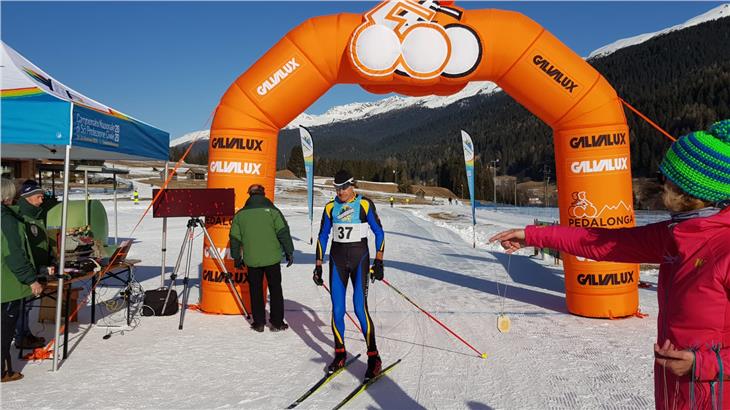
(62, 256)
(164, 235)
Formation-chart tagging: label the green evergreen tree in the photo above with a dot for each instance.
(295, 161)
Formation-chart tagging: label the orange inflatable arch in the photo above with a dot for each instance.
(430, 47)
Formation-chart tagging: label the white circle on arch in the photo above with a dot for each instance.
(425, 50)
(377, 47)
(464, 50)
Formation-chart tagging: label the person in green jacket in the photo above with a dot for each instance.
(30, 205)
(18, 278)
(258, 237)
(31, 208)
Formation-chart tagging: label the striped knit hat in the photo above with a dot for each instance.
(699, 163)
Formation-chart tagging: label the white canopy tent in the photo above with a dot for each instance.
(42, 118)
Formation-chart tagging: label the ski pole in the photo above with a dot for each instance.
(348, 315)
(482, 355)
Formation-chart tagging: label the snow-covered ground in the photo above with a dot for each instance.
(549, 359)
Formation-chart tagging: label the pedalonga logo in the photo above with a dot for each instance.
(605, 279)
(218, 220)
(583, 213)
(600, 140)
(217, 276)
(555, 73)
(243, 144)
(235, 167)
(600, 165)
(277, 77)
(403, 37)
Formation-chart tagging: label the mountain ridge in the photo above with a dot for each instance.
(359, 111)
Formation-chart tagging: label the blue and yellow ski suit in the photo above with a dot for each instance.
(350, 259)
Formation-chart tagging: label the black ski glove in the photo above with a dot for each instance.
(238, 263)
(289, 260)
(376, 271)
(317, 276)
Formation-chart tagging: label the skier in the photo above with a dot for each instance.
(350, 215)
(693, 250)
(391, 200)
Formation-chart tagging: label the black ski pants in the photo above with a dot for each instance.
(11, 311)
(256, 291)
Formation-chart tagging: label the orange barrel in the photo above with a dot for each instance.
(593, 167)
(236, 160)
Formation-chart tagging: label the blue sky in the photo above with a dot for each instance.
(168, 63)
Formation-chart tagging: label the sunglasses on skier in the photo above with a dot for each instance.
(343, 186)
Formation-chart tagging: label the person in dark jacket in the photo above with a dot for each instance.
(18, 278)
(259, 235)
(30, 206)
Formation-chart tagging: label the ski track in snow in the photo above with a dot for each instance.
(549, 359)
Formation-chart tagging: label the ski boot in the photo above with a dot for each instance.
(258, 327)
(374, 365)
(338, 362)
(278, 328)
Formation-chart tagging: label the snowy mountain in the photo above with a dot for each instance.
(189, 137)
(359, 111)
(714, 14)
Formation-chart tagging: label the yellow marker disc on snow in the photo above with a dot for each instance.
(503, 324)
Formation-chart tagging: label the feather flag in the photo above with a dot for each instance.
(308, 154)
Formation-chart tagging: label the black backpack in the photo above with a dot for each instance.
(154, 301)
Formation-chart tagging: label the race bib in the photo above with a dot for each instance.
(348, 233)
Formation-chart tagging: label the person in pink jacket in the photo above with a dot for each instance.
(692, 351)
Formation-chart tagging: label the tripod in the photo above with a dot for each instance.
(187, 247)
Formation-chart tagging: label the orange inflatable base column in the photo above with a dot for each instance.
(605, 290)
(217, 296)
(237, 159)
(593, 167)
